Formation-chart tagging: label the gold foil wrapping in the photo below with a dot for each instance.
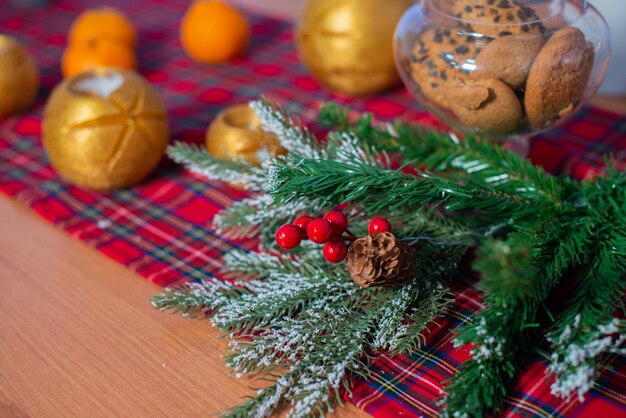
(19, 77)
(348, 44)
(105, 129)
(236, 133)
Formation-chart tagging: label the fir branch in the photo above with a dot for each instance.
(481, 161)
(379, 189)
(197, 299)
(404, 318)
(505, 269)
(277, 296)
(518, 275)
(500, 331)
(258, 216)
(308, 316)
(346, 146)
(587, 329)
(322, 345)
(292, 135)
(576, 359)
(198, 161)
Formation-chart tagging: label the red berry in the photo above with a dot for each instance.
(303, 222)
(379, 225)
(335, 251)
(288, 237)
(319, 231)
(338, 221)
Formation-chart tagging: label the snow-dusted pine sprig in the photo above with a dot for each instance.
(198, 161)
(587, 329)
(293, 136)
(576, 363)
(257, 216)
(398, 326)
(308, 316)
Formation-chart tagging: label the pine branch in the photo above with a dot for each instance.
(587, 329)
(321, 345)
(197, 299)
(481, 161)
(198, 161)
(501, 338)
(378, 189)
(277, 296)
(505, 270)
(502, 331)
(404, 318)
(518, 276)
(292, 135)
(308, 316)
(257, 216)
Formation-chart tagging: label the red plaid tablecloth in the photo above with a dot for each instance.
(161, 228)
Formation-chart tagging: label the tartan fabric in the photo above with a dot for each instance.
(161, 228)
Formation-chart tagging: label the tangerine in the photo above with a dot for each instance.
(212, 31)
(80, 57)
(103, 23)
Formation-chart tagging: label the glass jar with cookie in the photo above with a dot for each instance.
(502, 69)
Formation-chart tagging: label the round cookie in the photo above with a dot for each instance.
(487, 106)
(498, 18)
(442, 57)
(508, 59)
(558, 77)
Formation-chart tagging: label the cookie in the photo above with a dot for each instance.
(558, 77)
(486, 106)
(442, 57)
(509, 59)
(498, 18)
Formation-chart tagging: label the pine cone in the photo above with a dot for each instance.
(380, 260)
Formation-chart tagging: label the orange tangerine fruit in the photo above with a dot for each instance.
(213, 31)
(80, 57)
(103, 23)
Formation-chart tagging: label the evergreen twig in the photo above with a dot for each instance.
(378, 189)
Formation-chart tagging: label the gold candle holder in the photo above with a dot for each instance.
(347, 45)
(236, 134)
(19, 77)
(105, 129)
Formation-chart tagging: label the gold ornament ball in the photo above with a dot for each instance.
(236, 134)
(105, 129)
(19, 77)
(348, 44)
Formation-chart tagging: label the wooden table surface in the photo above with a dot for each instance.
(79, 338)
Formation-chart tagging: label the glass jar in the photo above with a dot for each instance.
(502, 69)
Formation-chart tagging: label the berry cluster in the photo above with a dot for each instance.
(331, 230)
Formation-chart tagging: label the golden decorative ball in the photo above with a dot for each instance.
(348, 44)
(236, 133)
(105, 129)
(19, 77)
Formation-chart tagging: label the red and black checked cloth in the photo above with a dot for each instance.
(161, 228)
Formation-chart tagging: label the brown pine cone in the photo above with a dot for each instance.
(380, 260)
